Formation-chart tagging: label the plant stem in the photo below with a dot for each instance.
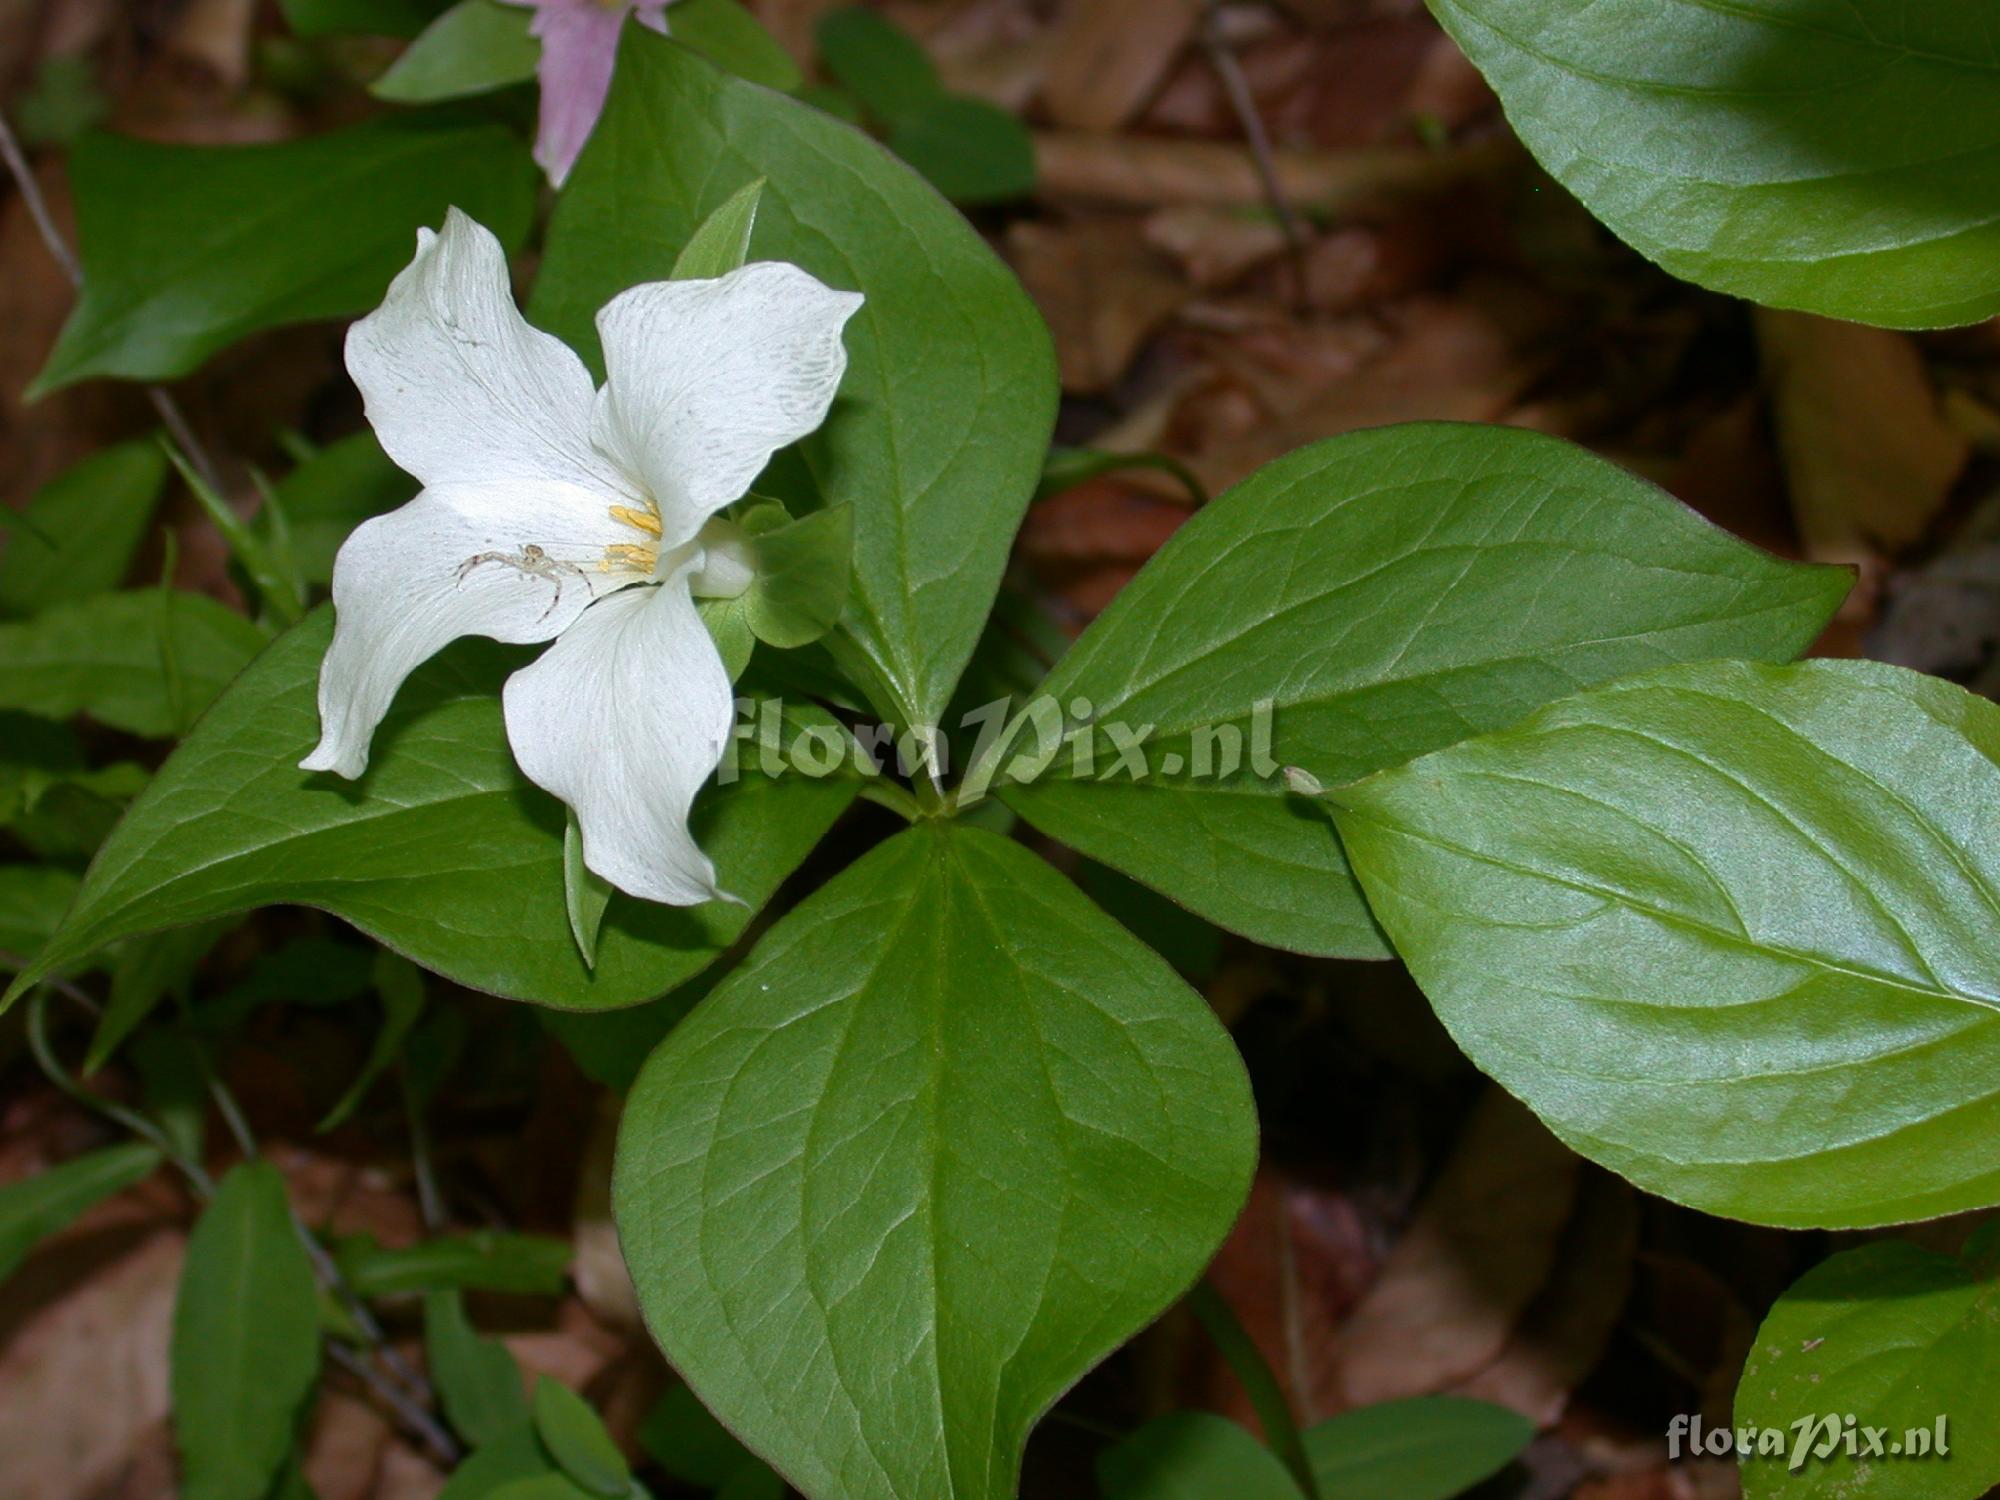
(1222, 57)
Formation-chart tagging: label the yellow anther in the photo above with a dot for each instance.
(630, 559)
(642, 520)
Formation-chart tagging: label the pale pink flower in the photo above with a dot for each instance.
(579, 48)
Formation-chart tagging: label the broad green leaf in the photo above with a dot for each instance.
(147, 662)
(1840, 156)
(484, 1260)
(1424, 1448)
(477, 1381)
(33, 899)
(877, 62)
(937, 437)
(64, 99)
(1902, 1338)
(575, 1438)
(246, 1339)
(333, 492)
(175, 268)
(730, 37)
(473, 48)
(549, 1486)
(401, 986)
(1730, 929)
(313, 18)
(1193, 1455)
(947, 1138)
(972, 151)
(1386, 593)
(722, 242)
(444, 852)
(83, 528)
(36, 1207)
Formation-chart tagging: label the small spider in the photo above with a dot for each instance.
(530, 562)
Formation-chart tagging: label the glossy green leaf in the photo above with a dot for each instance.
(484, 1260)
(1193, 1455)
(175, 268)
(878, 62)
(473, 48)
(1905, 1340)
(83, 528)
(731, 38)
(947, 1138)
(972, 150)
(477, 1381)
(575, 1438)
(444, 852)
(548, 1486)
(1388, 593)
(721, 243)
(1424, 1448)
(937, 437)
(147, 662)
(36, 1207)
(1840, 156)
(1732, 930)
(333, 492)
(246, 1339)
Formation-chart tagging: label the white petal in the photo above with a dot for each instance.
(459, 388)
(515, 562)
(707, 379)
(624, 718)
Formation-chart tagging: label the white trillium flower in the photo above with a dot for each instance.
(555, 511)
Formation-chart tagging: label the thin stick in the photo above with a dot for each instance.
(412, 1414)
(1223, 58)
(30, 188)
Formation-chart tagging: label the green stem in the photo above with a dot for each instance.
(1260, 1383)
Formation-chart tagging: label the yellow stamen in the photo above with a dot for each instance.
(629, 559)
(642, 520)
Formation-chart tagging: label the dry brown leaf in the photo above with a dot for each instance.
(1086, 543)
(1145, 172)
(344, 1448)
(1479, 1251)
(1102, 289)
(1214, 246)
(84, 1379)
(1292, 1269)
(1445, 361)
(1106, 57)
(1868, 456)
(215, 36)
(1561, 1337)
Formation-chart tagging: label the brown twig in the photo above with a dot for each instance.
(1222, 57)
